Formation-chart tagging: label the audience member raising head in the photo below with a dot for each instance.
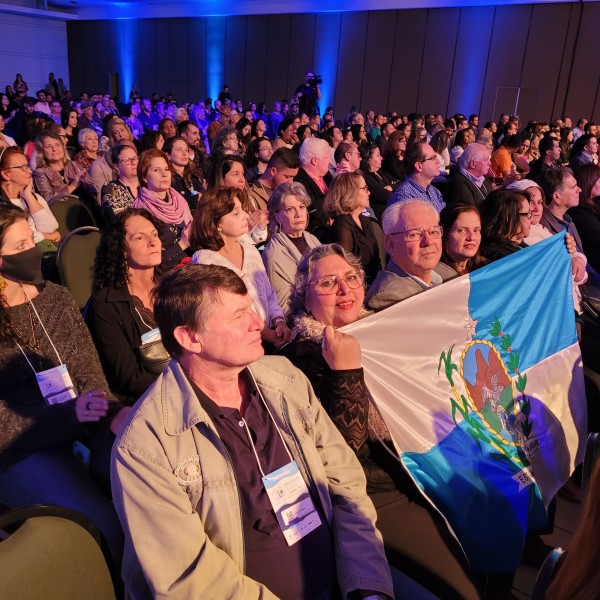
(166, 204)
(288, 218)
(218, 234)
(121, 192)
(346, 201)
(40, 329)
(16, 187)
(328, 293)
(462, 237)
(119, 313)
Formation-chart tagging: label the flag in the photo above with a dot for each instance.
(480, 382)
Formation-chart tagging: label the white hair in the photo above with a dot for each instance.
(472, 152)
(394, 214)
(312, 148)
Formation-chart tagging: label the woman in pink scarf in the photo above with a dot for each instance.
(166, 204)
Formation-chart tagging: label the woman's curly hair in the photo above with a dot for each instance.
(110, 265)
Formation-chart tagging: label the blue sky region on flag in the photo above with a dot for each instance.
(480, 382)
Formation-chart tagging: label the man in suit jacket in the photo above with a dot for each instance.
(315, 177)
(413, 239)
(469, 185)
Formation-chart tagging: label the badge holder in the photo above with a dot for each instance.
(288, 494)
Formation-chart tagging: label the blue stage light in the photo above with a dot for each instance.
(215, 55)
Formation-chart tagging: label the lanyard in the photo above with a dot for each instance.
(278, 432)
(44, 328)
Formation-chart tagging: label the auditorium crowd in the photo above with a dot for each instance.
(287, 224)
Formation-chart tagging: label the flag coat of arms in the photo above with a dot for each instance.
(480, 383)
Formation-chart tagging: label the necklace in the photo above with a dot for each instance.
(30, 342)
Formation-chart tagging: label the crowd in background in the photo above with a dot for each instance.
(266, 194)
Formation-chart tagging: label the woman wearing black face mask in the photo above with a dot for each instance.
(51, 386)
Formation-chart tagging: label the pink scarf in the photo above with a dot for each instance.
(173, 210)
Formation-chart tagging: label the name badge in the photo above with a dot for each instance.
(56, 385)
(291, 502)
(151, 336)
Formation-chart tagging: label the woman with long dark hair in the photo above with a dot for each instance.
(119, 313)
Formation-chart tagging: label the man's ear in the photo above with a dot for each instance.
(388, 243)
(188, 339)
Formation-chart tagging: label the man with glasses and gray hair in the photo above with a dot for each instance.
(413, 239)
(422, 167)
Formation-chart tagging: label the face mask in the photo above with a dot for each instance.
(24, 266)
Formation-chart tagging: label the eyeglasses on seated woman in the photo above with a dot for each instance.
(328, 293)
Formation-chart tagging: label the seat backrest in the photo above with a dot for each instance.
(547, 573)
(591, 455)
(75, 259)
(71, 213)
(54, 554)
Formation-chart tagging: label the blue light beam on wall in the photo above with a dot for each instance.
(327, 41)
(215, 55)
(127, 57)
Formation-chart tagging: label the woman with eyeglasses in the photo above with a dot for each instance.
(121, 192)
(347, 202)
(16, 187)
(380, 183)
(506, 217)
(328, 293)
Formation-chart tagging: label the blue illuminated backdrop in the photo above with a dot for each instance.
(215, 55)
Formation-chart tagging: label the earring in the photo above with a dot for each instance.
(219, 230)
(3, 284)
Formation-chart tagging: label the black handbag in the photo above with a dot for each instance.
(154, 356)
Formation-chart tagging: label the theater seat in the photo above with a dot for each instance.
(546, 574)
(53, 553)
(591, 455)
(71, 213)
(75, 259)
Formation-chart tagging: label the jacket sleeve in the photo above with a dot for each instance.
(159, 521)
(118, 356)
(359, 554)
(279, 278)
(44, 185)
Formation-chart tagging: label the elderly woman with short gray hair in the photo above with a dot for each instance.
(288, 219)
(89, 143)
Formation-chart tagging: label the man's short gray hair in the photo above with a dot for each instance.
(312, 148)
(394, 214)
(473, 151)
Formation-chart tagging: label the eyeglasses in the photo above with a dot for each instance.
(23, 168)
(434, 157)
(331, 283)
(130, 161)
(364, 188)
(414, 235)
(527, 214)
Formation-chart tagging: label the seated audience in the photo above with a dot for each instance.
(461, 140)
(286, 134)
(185, 180)
(393, 155)
(413, 240)
(218, 235)
(222, 539)
(258, 155)
(584, 150)
(40, 330)
(439, 142)
(502, 163)
(506, 218)
(586, 215)
(167, 128)
(422, 168)
(469, 183)
(549, 151)
(380, 184)
(119, 314)
(55, 173)
(16, 187)
(282, 168)
(329, 293)
(347, 157)
(88, 141)
(225, 142)
(346, 202)
(121, 192)
(228, 171)
(288, 207)
(167, 205)
(462, 237)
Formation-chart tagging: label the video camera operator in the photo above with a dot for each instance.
(308, 93)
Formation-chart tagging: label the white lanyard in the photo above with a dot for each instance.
(278, 432)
